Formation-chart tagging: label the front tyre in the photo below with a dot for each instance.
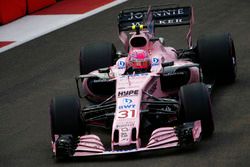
(195, 105)
(66, 122)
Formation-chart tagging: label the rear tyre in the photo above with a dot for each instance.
(216, 55)
(195, 105)
(95, 56)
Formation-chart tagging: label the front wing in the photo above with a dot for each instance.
(161, 138)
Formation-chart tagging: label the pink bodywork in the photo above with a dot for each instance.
(129, 94)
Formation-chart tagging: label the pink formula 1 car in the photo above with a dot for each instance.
(151, 97)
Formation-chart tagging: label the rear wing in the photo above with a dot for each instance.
(161, 16)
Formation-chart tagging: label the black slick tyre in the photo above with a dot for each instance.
(95, 56)
(65, 116)
(216, 55)
(195, 105)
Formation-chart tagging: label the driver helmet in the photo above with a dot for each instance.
(139, 60)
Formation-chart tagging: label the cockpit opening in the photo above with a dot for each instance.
(138, 42)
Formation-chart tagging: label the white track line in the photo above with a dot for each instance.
(33, 26)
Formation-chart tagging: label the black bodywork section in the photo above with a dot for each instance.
(163, 16)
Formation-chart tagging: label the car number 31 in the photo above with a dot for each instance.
(126, 114)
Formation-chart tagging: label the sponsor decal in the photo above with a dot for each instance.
(127, 104)
(128, 93)
(121, 64)
(155, 61)
(125, 139)
(159, 13)
(124, 135)
(174, 73)
(163, 22)
(170, 21)
(125, 125)
(101, 80)
(126, 101)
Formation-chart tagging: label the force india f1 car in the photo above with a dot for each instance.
(152, 97)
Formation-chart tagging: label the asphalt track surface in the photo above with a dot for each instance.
(34, 72)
